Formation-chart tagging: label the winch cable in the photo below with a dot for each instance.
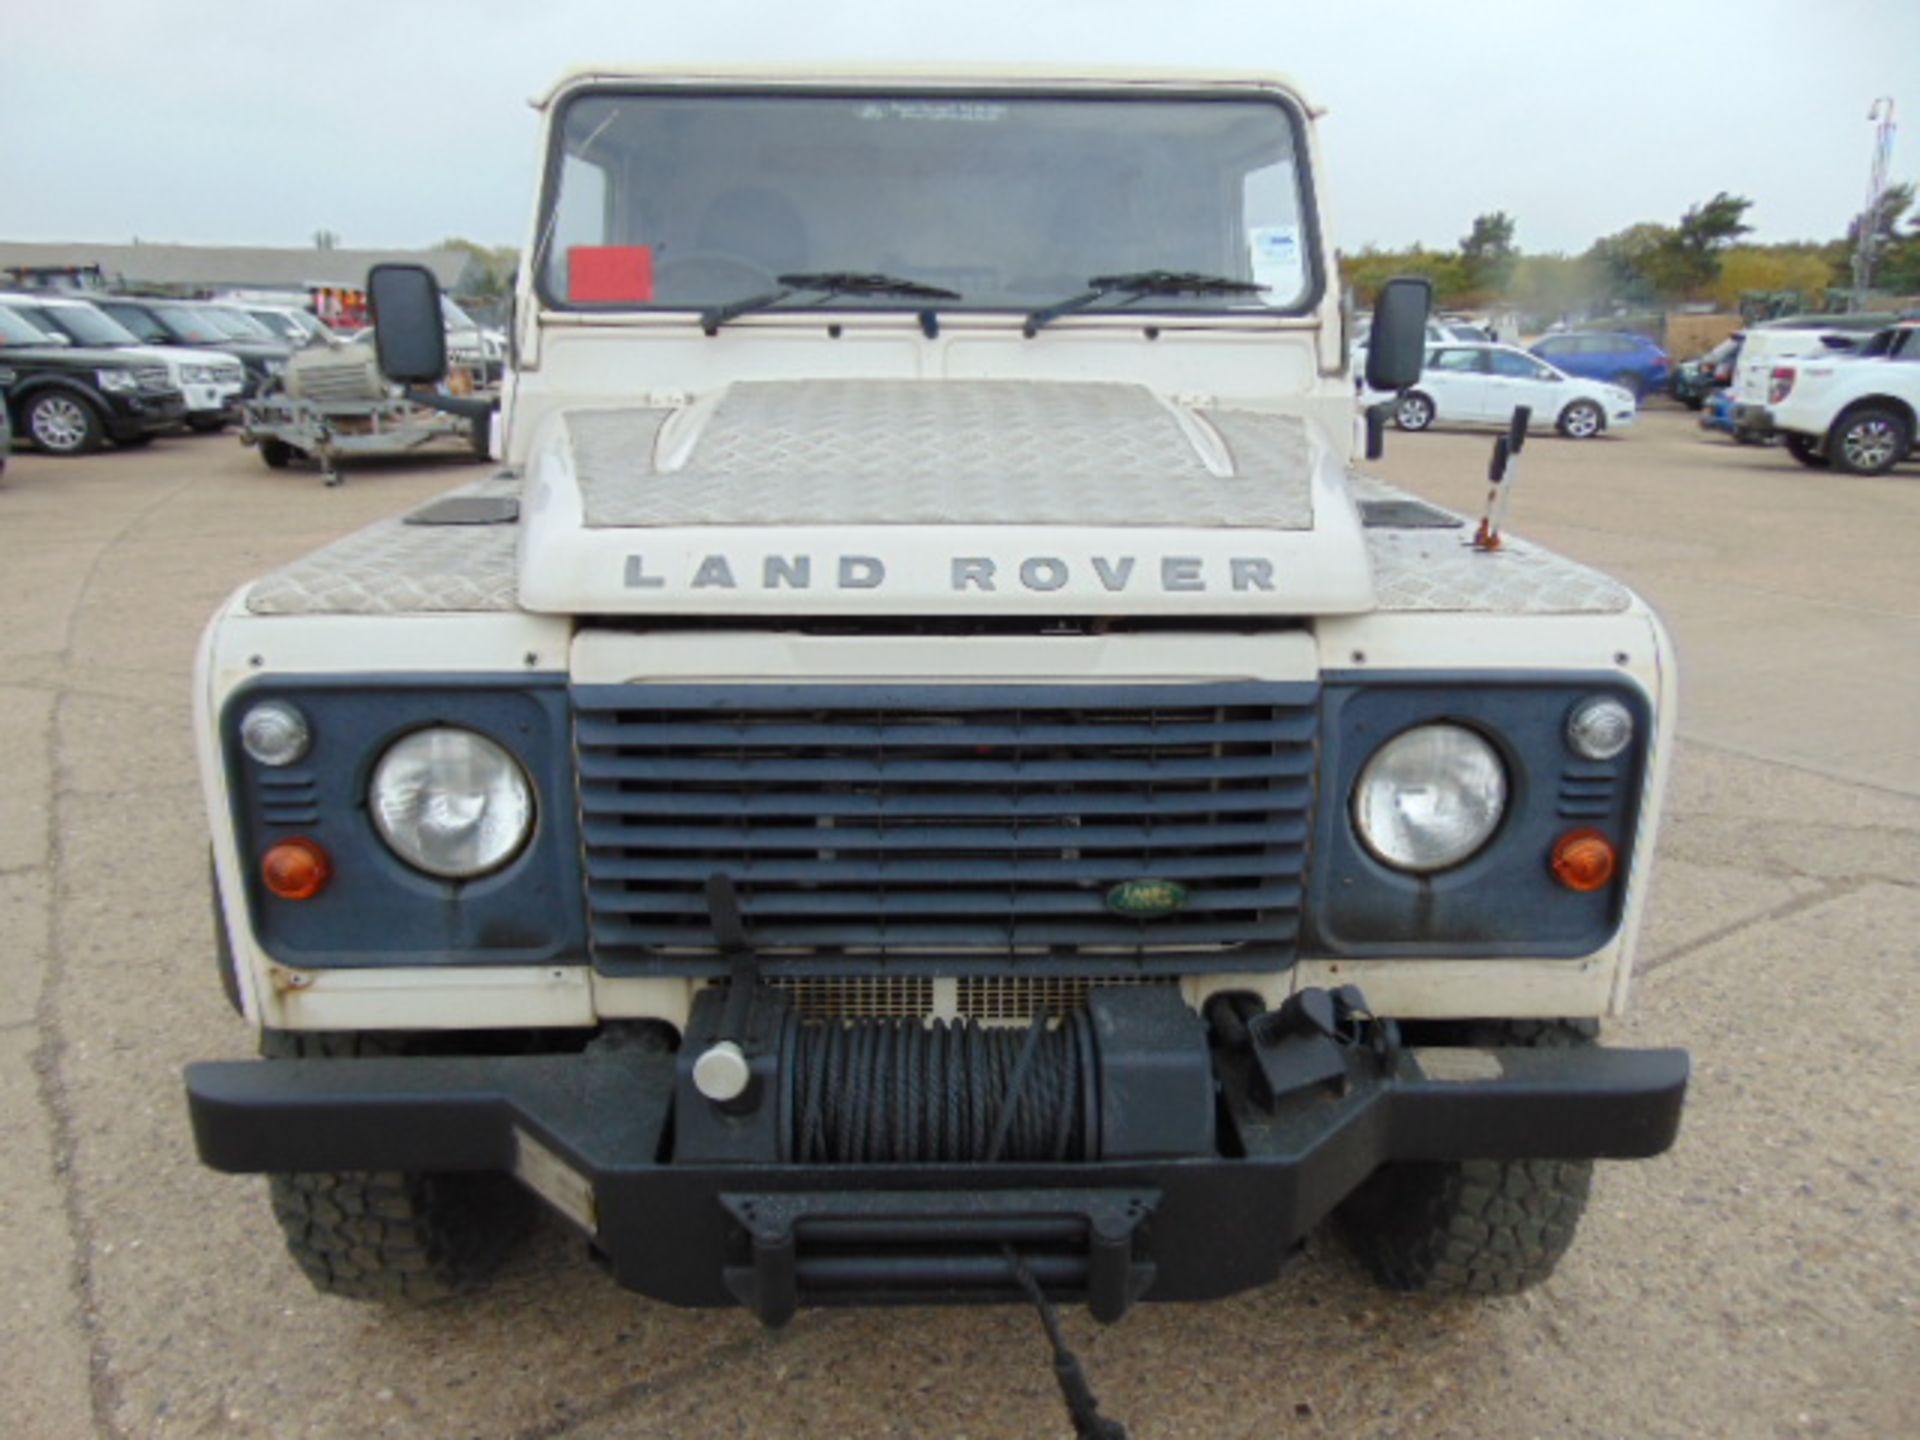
(902, 1092)
(1082, 1408)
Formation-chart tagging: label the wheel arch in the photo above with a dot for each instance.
(1903, 408)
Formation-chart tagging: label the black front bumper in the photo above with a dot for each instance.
(143, 412)
(775, 1236)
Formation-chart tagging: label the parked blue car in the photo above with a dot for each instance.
(1717, 413)
(1632, 362)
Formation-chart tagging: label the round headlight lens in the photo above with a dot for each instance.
(1430, 797)
(1599, 728)
(275, 733)
(451, 803)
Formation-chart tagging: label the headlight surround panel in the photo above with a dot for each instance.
(377, 910)
(1502, 900)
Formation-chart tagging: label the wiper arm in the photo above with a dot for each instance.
(1137, 283)
(825, 283)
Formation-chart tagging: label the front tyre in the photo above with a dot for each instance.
(1869, 440)
(390, 1235)
(1413, 411)
(1808, 451)
(1470, 1227)
(64, 424)
(397, 1237)
(1582, 420)
(277, 454)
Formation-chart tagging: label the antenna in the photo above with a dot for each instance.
(1867, 241)
(1502, 471)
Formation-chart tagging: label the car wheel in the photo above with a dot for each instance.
(1413, 411)
(1869, 441)
(1581, 420)
(1693, 402)
(63, 424)
(1808, 451)
(277, 453)
(1632, 383)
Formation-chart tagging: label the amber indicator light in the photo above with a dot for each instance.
(296, 869)
(1583, 860)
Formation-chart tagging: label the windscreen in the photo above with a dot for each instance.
(1015, 202)
(225, 325)
(82, 324)
(14, 330)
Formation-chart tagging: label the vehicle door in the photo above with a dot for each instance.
(1456, 380)
(1518, 379)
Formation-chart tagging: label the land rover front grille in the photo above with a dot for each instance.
(947, 829)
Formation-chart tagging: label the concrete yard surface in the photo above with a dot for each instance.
(1760, 1282)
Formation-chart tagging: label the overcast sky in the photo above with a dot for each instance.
(398, 122)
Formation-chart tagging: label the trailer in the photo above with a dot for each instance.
(334, 403)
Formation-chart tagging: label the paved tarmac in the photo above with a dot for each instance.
(1762, 1280)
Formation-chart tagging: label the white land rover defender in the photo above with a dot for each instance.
(930, 775)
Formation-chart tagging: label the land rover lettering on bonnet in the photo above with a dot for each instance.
(932, 772)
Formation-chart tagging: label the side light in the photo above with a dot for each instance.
(275, 733)
(296, 869)
(1599, 728)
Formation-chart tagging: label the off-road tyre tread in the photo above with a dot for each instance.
(1472, 1227)
(386, 1235)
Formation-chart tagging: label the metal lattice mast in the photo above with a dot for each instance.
(1867, 241)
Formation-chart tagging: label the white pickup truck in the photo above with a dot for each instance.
(1855, 412)
(932, 773)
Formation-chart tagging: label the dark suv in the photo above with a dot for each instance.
(68, 399)
(1632, 362)
(182, 322)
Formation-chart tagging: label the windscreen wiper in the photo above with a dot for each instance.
(1137, 283)
(825, 283)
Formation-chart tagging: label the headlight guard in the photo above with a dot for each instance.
(1501, 897)
(379, 909)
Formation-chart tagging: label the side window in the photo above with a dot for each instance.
(1519, 367)
(1456, 362)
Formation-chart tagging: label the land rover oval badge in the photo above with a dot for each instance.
(1147, 898)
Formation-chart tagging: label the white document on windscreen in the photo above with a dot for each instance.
(1278, 262)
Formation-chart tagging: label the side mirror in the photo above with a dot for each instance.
(1397, 348)
(409, 334)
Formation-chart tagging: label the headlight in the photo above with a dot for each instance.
(275, 733)
(1430, 798)
(197, 374)
(118, 380)
(451, 803)
(1599, 728)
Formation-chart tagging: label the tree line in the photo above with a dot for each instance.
(1700, 258)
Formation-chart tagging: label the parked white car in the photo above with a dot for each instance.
(1484, 384)
(1853, 412)
(1765, 347)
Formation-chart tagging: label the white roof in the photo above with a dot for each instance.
(877, 75)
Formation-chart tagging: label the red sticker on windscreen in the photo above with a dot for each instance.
(610, 272)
